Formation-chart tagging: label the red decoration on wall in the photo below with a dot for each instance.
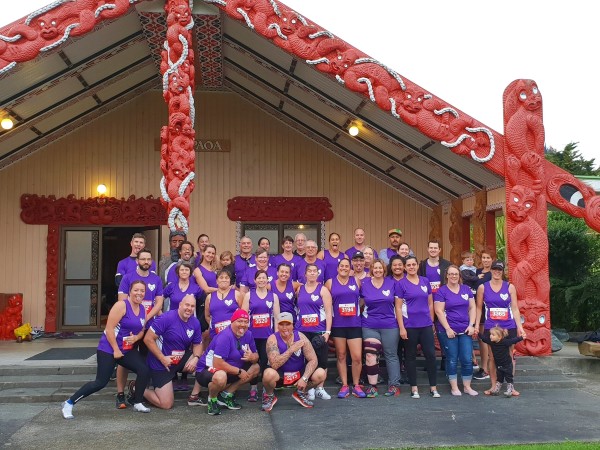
(279, 209)
(11, 317)
(177, 138)
(51, 277)
(42, 210)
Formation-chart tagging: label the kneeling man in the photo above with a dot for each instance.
(292, 361)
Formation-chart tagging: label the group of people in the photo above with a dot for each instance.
(237, 320)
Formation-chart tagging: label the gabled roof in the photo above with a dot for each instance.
(84, 77)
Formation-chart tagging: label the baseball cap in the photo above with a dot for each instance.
(239, 314)
(397, 231)
(497, 264)
(286, 317)
(358, 255)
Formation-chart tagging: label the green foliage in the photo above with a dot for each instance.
(571, 160)
(500, 238)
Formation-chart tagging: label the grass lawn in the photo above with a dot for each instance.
(569, 445)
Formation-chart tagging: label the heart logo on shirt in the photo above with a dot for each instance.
(152, 287)
(386, 292)
(289, 295)
(298, 352)
(269, 305)
(352, 287)
(438, 271)
(365, 313)
(504, 297)
(251, 265)
(189, 333)
(319, 272)
(424, 289)
(465, 296)
(228, 302)
(246, 348)
(270, 278)
(142, 321)
(314, 297)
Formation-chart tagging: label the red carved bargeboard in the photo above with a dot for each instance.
(52, 211)
(278, 209)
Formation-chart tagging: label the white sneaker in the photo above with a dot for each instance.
(322, 394)
(140, 407)
(311, 394)
(67, 410)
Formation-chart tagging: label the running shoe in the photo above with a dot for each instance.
(322, 394)
(481, 375)
(338, 380)
(253, 396)
(121, 403)
(113, 375)
(140, 407)
(414, 394)
(268, 402)
(302, 398)
(344, 392)
(358, 392)
(67, 410)
(213, 407)
(371, 392)
(509, 390)
(311, 394)
(393, 391)
(435, 393)
(196, 400)
(228, 401)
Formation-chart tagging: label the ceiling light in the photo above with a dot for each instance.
(7, 123)
(101, 189)
(353, 130)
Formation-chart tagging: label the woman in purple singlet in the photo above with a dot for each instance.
(332, 256)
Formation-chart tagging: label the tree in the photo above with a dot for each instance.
(572, 161)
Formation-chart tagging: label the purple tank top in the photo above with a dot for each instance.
(129, 323)
(331, 264)
(209, 276)
(296, 362)
(379, 309)
(286, 298)
(261, 315)
(497, 307)
(221, 311)
(293, 263)
(345, 303)
(311, 311)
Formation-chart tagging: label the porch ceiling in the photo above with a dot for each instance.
(71, 85)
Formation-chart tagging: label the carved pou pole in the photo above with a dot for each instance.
(526, 212)
(177, 138)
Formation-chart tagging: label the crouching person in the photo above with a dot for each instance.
(174, 343)
(229, 362)
(292, 361)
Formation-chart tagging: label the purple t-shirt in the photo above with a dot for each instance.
(331, 263)
(497, 307)
(241, 265)
(352, 251)
(248, 278)
(311, 311)
(221, 311)
(174, 293)
(301, 271)
(129, 264)
(280, 259)
(415, 307)
(174, 337)
(345, 303)
(379, 309)
(456, 307)
(261, 315)
(286, 298)
(296, 363)
(227, 347)
(154, 288)
(171, 274)
(129, 323)
(433, 275)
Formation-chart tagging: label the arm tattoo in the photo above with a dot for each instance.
(310, 356)
(276, 359)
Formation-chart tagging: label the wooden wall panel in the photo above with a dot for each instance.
(496, 197)
(267, 159)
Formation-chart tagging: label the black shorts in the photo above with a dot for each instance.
(162, 377)
(205, 377)
(347, 332)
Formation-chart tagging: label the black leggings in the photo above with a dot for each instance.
(323, 352)
(423, 336)
(263, 360)
(132, 360)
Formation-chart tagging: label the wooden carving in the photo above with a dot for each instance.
(278, 209)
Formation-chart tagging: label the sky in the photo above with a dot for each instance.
(467, 52)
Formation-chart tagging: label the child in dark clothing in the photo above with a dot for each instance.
(226, 263)
(468, 271)
(500, 345)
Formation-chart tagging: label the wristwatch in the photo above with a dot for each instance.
(305, 379)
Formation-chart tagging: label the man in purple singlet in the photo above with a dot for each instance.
(292, 361)
(395, 236)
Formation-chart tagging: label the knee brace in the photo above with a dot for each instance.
(375, 349)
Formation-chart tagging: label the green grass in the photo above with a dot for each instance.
(568, 445)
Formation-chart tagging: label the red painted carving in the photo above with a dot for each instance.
(177, 138)
(526, 217)
(51, 278)
(11, 317)
(50, 26)
(37, 210)
(277, 209)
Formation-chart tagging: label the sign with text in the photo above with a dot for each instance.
(207, 145)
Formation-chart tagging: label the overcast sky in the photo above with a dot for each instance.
(466, 52)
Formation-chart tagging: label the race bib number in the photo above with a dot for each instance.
(435, 286)
(147, 304)
(499, 313)
(176, 356)
(310, 320)
(261, 320)
(126, 344)
(290, 378)
(212, 369)
(220, 326)
(347, 309)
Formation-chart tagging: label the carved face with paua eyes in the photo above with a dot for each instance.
(413, 100)
(529, 95)
(522, 201)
